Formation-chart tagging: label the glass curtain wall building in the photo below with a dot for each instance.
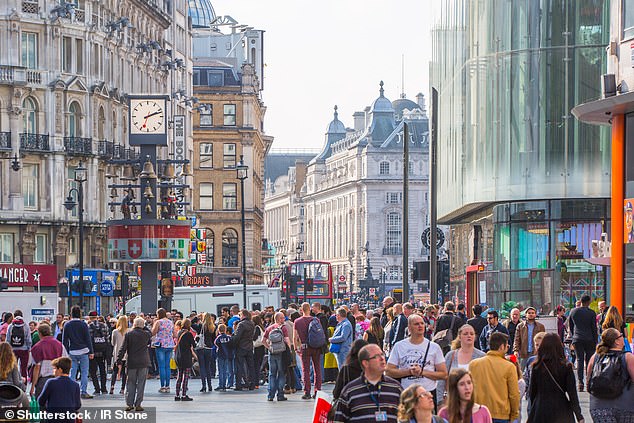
(508, 73)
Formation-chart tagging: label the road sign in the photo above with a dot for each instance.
(342, 278)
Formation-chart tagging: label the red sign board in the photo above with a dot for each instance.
(20, 275)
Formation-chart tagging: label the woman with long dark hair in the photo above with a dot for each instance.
(185, 344)
(621, 408)
(460, 406)
(351, 369)
(258, 346)
(374, 334)
(204, 344)
(552, 393)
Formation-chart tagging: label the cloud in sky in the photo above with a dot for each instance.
(322, 53)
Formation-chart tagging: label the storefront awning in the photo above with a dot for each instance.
(600, 112)
(599, 261)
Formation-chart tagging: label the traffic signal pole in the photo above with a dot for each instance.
(433, 200)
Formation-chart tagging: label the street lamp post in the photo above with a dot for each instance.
(80, 178)
(242, 173)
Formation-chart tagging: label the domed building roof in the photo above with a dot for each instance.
(201, 12)
(336, 126)
(402, 104)
(381, 104)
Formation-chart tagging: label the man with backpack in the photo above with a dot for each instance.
(99, 337)
(19, 337)
(447, 328)
(276, 340)
(309, 340)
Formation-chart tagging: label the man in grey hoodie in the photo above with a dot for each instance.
(19, 337)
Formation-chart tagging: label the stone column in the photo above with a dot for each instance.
(27, 243)
(16, 201)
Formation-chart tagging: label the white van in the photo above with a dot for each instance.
(214, 298)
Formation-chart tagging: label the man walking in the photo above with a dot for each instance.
(372, 397)
(583, 329)
(19, 337)
(417, 359)
(511, 326)
(99, 337)
(399, 325)
(76, 339)
(342, 337)
(307, 352)
(477, 321)
(496, 379)
(277, 370)
(493, 326)
(44, 352)
(135, 344)
(244, 362)
(524, 347)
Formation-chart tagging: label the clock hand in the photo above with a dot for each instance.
(152, 114)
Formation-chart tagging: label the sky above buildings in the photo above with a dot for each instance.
(327, 52)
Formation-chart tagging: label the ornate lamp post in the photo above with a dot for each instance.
(242, 173)
(81, 174)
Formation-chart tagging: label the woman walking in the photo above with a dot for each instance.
(118, 335)
(417, 406)
(460, 406)
(374, 334)
(184, 355)
(206, 337)
(463, 351)
(9, 372)
(552, 392)
(163, 330)
(614, 320)
(258, 347)
(621, 408)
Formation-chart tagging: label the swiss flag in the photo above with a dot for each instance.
(135, 248)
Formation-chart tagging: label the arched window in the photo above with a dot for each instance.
(29, 113)
(73, 120)
(210, 246)
(393, 235)
(101, 123)
(229, 248)
(384, 168)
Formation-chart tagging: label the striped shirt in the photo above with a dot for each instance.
(360, 400)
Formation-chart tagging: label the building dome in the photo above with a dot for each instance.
(381, 104)
(402, 104)
(201, 12)
(336, 126)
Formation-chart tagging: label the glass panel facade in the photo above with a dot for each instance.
(508, 74)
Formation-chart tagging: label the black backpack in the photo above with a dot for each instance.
(609, 376)
(99, 338)
(17, 337)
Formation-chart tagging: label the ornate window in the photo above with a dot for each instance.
(29, 114)
(229, 248)
(29, 50)
(6, 248)
(393, 235)
(384, 168)
(73, 120)
(30, 186)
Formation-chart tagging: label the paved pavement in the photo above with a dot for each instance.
(250, 406)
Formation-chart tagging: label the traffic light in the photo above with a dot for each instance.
(310, 284)
(421, 270)
(4, 284)
(292, 280)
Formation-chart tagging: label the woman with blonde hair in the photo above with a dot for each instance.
(461, 407)
(117, 341)
(614, 320)
(387, 329)
(9, 371)
(204, 343)
(417, 406)
(463, 351)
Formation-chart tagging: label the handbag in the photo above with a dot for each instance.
(177, 350)
(335, 348)
(257, 342)
(558, 385)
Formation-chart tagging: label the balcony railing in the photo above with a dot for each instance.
(122, 153)
(5, 140)
(392, 251)
(78, 145)
(34, 142)
(19, 75)
(105, 149)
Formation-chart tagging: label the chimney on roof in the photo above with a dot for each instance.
(367, 115)
(420, 100)
(359, 121)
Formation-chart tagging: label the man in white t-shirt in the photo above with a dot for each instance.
(416, 359)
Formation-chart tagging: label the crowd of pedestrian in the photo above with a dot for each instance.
(396, 363)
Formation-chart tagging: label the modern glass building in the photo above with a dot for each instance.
(511, 158)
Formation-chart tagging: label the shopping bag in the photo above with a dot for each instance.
(322, 407)
(172, 364)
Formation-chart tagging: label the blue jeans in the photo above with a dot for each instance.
(204, 361)
(82, 363)
(225, 372)
(500, 421)
(277, 376)
(163, 356)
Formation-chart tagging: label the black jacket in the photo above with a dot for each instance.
(548, 402)
(583, 325)
(243, 337)
(348, 373)
(478, 323)
(135, 343)
(397, 333)
(444, 322)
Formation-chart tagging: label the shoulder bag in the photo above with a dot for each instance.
(177, 350)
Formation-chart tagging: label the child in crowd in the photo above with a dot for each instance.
(225, 358)
(60, 394)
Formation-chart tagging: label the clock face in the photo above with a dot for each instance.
(148, 116)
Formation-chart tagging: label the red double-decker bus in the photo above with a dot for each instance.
(315, 276)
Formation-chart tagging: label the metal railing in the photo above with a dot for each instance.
(30, 6)
(5, 140)
(34, 142)
(78, 145)
(392, 251)
(105, 148)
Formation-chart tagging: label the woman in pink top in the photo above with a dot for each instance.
(164, 333)
(460, 406)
